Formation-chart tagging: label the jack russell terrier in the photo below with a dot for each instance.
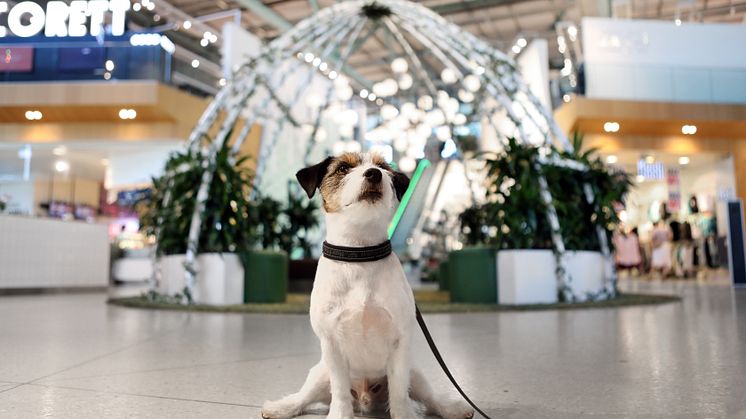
(362, 308)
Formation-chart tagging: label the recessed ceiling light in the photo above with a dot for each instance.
(33, 115)
(611, 126)
(109, 65)
(684, 160)
(689, 129)
(127, 113)
(195, 63)
(187, 24)
(611, 159)
(61, 166)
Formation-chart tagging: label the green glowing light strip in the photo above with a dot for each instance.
(421, 166)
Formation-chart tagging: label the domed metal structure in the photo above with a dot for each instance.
(457, 70)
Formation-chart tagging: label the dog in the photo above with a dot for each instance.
(362, 312)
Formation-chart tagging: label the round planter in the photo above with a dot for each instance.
(471, 275)
(266, 276)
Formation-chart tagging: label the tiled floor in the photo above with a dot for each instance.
(72, 356)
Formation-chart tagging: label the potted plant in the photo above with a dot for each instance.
(266, 275)
(526, 257)
(225, 232)
(301, 217)
(470, 271)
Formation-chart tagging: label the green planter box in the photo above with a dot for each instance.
(265, 277)
(472, 275)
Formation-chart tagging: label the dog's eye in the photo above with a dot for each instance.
(375, 388)
(354, 393)
(343, 168)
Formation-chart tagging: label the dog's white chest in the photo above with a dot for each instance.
(365, 308)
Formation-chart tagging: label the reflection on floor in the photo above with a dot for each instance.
(73, 356)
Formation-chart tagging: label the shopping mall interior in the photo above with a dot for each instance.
(372, 208)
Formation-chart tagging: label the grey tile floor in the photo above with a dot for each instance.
(72, 356)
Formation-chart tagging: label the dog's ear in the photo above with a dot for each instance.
(401, 183)
(310, 178)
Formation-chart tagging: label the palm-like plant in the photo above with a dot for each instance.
(226, 223)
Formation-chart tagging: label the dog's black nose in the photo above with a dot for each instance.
(373, 175)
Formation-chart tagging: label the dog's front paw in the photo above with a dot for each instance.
(280, 409)
(455, 410)
(340, 410)
(405, 410)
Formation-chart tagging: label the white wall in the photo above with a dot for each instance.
(133, 168)
(238, 46)
(659, 61)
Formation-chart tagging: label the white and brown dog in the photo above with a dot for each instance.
(362, 312)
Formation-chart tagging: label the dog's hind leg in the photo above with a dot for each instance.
(314, 390)
(420, 391)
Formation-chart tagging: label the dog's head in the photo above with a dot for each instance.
(354, 181)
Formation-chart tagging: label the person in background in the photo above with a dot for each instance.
(661, 255)
(627, 247)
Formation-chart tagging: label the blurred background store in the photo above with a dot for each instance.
(91, 107)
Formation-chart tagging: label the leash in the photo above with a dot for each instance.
(442, 363)
(378, 252)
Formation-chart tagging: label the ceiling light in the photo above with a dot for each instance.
(650, 159)
(61, 166)
(33, 115)
(222, 81)
(308, 57)
(136, 7)
(187, 24)
(689, 129)
(156, 18)
(611, 159)
(364, 93)
(323, 66)
(521, 42)
(127, 113)
(195, 63)
(677, 22)
(316, 62)
(379, 101)
(372, 97)
(109, 65)
(213, 38)
(204, 42)
(332, 75)
(59, 150)
(566, 98)
(684, 160)
(611, 126)
(572, 31)
(150, 6)
(107, 75)
(516, 49)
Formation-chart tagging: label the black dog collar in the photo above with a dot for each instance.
(356, 254)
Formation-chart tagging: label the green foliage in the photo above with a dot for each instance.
(515, 216)
(285, 227)
(226, 225)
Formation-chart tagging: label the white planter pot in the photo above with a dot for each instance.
(219, 279)
(526, 277)
(172, 274)
(587, 272)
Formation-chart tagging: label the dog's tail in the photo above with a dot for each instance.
(442, 363)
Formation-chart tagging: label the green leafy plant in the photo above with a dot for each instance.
(286, 226)
(516, 213)
(226, 225)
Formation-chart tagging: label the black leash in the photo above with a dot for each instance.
(378, 252)
(442, 363)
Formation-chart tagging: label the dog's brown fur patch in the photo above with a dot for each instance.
(332, 181)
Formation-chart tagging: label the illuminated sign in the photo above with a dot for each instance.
(60, 19)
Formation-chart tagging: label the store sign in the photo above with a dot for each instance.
(60, 19)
